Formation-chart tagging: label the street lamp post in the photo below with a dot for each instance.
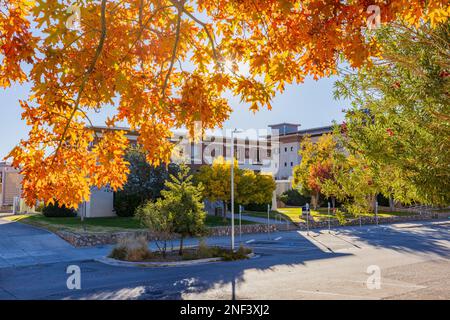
(329, 218)
(307, 218)
(232, 186)
(240, 224)
(376, 212)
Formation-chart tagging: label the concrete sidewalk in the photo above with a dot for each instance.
(255, 219)
(23, 245)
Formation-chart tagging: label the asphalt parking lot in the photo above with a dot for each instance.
(412, 260)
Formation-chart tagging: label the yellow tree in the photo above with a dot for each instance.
(216, 180)
(159, 66)
(249, 187)
(254, 188)
(316, 166)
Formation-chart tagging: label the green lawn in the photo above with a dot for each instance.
(213, 221)
(294, 214)
(442, 210)
(99, 224)
(258, 214)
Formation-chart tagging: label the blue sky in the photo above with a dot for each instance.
(310, 104)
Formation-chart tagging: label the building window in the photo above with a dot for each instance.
(292, 148)
(292, 164)
(285, 149)
(285, 164)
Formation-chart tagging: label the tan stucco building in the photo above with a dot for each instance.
(10, 184)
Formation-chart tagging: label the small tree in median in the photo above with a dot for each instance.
(180, 210)
(156, 217)
(184, 202)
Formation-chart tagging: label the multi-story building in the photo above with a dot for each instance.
(289, 139)
(274, 150)
(253, 151)
(10, 184)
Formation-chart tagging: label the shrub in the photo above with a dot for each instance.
(253, 207)
(125, 205)
(119, 253)
(131, 249)
(294, 198)
(203, 250)
(228, 255)
(382, 200)
(156, 217)
(340, 216)
(39, 207)
(145, 182)
(54, 210)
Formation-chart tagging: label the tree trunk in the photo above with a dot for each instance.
(180, 252)
(225, 210)
(315, 200)
(333, 202)
(372, 199)
(391, 203)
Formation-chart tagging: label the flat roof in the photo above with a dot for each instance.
(297, 132)
(284, 124)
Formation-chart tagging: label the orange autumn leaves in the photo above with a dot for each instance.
(158, 65)
(16, 40)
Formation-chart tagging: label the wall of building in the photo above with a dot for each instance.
(11, 185)
(101, 204)
(289, 158)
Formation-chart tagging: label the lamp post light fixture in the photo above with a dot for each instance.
(232, 185)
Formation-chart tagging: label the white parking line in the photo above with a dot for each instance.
(276, 239)
(250, 241)
(336, 294)
(401, 285)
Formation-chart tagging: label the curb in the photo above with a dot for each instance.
(119, 263)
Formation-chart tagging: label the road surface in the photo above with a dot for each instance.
(413, 260)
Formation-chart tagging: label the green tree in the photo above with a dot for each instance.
(315, 167)
(145, 182)
(216, 181)
(354, 183)
(157, 217)
(399, 121)
(249, 187)
(265, 186)
(180, 210)
(183, 200)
